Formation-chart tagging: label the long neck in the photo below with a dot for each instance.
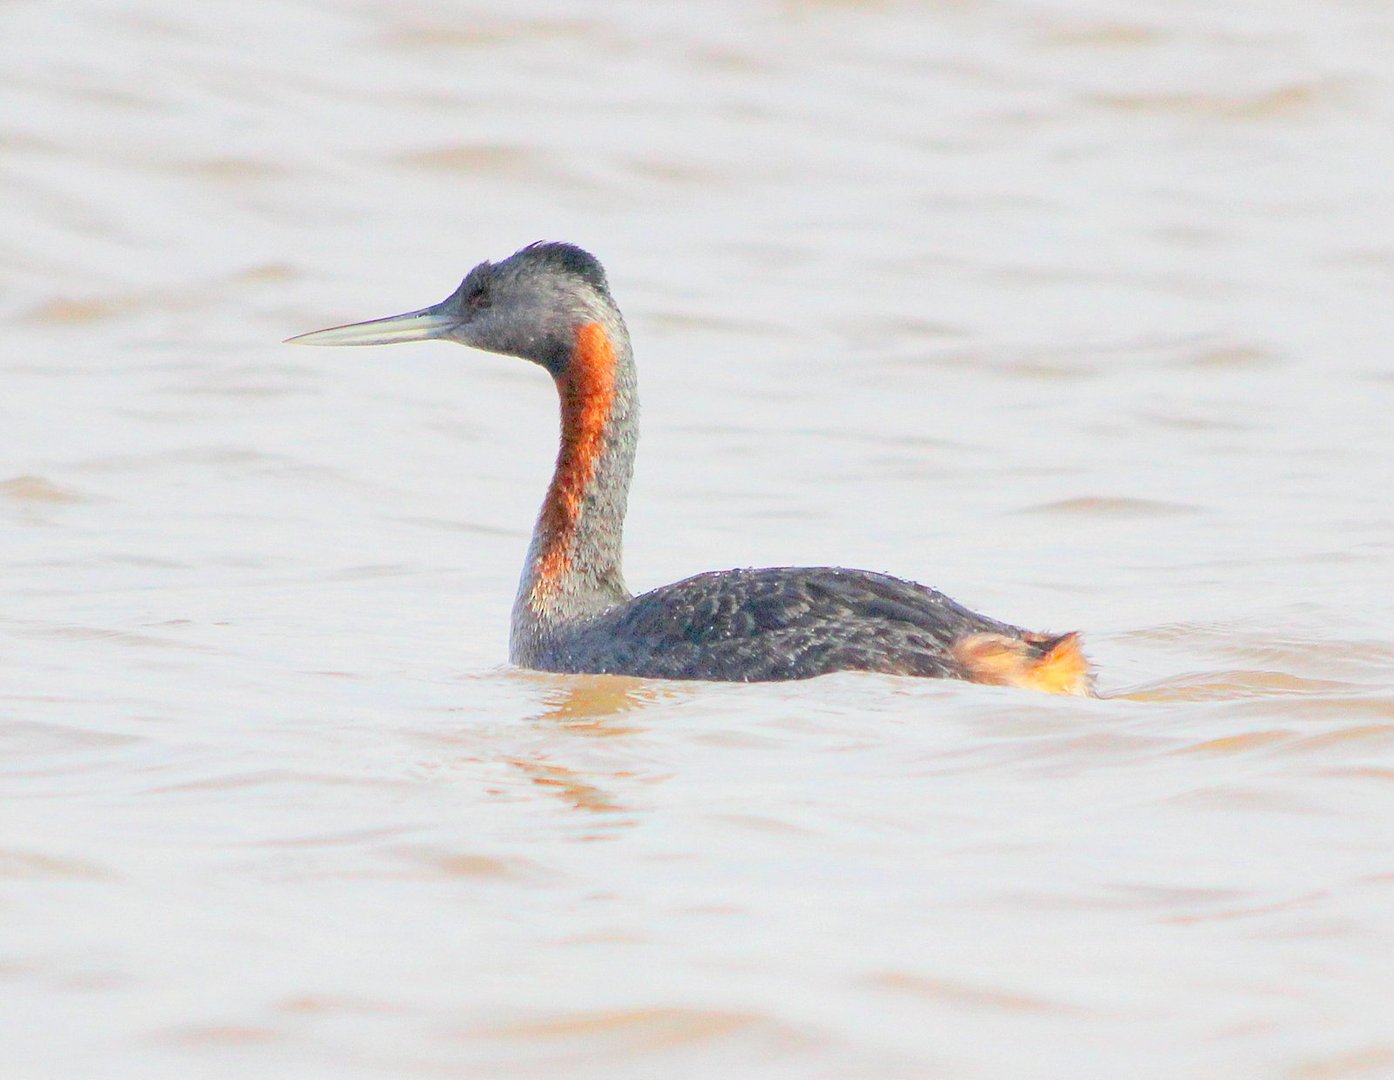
(573, 568)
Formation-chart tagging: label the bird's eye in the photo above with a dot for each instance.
(477, 297)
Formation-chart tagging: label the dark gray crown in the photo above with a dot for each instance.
(566, 259)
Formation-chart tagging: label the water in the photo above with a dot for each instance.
(1079, 312)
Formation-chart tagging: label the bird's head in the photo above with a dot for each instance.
(532, 304)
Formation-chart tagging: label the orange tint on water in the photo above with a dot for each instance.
(1079, 312)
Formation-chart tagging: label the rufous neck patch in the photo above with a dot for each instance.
(587, 389)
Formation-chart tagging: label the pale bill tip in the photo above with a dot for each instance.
(413, 326)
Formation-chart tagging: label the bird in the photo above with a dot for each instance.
(550, 303)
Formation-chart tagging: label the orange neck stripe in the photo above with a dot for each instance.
(587, 389)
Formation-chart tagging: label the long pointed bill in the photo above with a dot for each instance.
(423, 325)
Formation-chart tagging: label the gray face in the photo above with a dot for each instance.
(529, 305)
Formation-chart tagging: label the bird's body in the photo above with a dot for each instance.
(770, 624)
(550, 303)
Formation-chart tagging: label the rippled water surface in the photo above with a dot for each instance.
(1079, 311)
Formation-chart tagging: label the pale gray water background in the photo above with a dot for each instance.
(1079, 311)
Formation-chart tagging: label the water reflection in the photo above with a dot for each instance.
(593, 704)
(569, 785)
(590, 706)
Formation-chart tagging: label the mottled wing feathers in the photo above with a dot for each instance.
(781, 623)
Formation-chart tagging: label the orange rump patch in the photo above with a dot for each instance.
(1054, 665)
(587, 389)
